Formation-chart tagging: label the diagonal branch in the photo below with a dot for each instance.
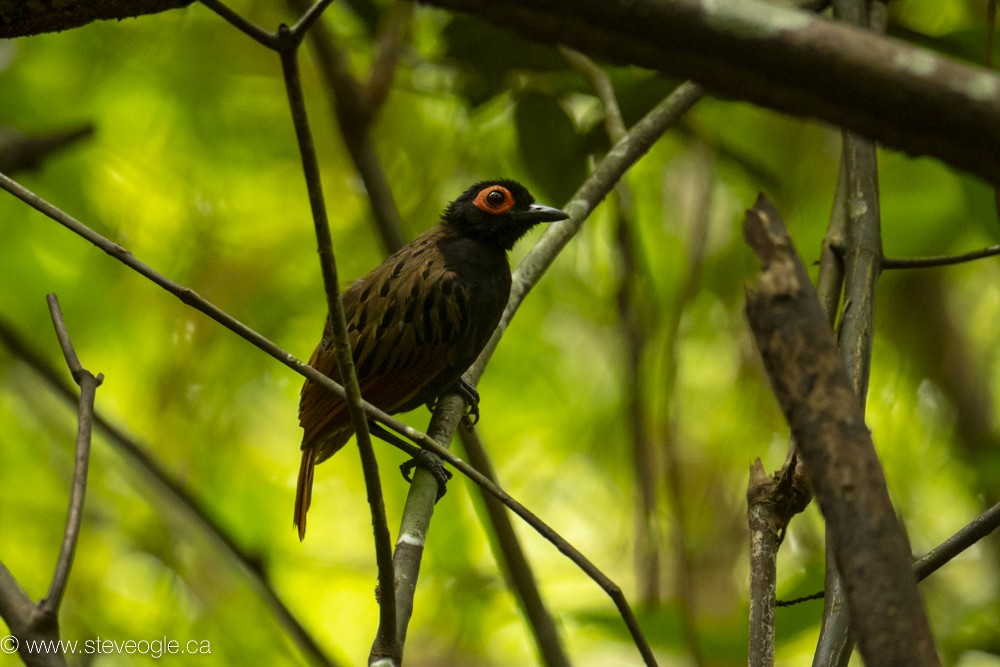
(451, 407)
(28, 623)
(786, 59)
(811, 383)
(137, 455)
(514, 562)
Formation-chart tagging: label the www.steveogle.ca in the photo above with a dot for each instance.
(153, 648)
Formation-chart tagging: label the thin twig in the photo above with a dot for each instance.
(609, 171)
(639, 139)
(248, 28)
(513, 560)
(974, 531)
(941, 555)
(27, 622)
(74, 516)
(290, 39)
(355, 107)
(137, 455)
(941, 260)
(306, 21)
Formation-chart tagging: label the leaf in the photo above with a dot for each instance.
(550, 146)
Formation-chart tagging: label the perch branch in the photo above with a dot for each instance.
(622, 155)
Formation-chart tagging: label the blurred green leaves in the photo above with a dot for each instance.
(193, 167)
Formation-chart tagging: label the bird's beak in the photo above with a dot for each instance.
(540, 213)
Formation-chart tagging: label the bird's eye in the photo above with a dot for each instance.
(495, 199)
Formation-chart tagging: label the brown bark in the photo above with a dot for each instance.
(811, 383)
(905, 97)
(19, 18)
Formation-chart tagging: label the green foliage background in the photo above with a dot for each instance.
(194, 169)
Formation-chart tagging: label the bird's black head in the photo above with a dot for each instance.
(498, 213)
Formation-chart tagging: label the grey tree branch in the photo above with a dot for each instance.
(861, 256)
(29, 623)
(622, 155)
(786, 59)
(513, 560)
(356, 106)
(816, 395)
(288, 43)
(137, 455)
(88, 384)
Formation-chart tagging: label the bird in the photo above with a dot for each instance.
(419, 319)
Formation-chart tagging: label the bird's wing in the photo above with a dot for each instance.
(403, 320)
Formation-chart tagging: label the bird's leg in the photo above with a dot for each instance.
(471, 396)
(468, 394)
(421, 457)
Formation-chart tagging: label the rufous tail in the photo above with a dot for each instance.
(303, 492)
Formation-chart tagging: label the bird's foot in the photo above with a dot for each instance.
(471, 396)
(432, 464)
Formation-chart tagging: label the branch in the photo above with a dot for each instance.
(786, 59)
(861, 256)
(19, 18)
(74, 516)
(979, 528)
(356, 105)
(941, 260)
(451, 407)
(765, 537)
(812, 386)
(289, 40)
(26, 621)
(609, 171)
(245, 26)
(512, 560)
(136, 455)
(941, 555)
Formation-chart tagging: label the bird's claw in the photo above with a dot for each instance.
(471, 396)
(432, 464)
